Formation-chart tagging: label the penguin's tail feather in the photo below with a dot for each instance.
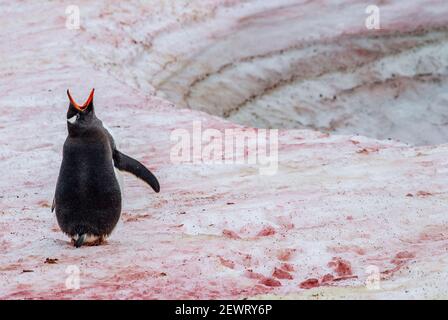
(81, 238)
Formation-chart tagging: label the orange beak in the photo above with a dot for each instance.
(85, 105)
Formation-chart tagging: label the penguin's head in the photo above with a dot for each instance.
(80, 117)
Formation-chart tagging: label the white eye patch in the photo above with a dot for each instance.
(73, 119)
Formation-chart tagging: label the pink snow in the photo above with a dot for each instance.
(338, 207)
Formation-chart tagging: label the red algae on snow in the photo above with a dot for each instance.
(230, 234)
(267, 231)
(341, 267)
(227, 263)
(270, 282)
(331, 213)
(282, 274)
(309, 284)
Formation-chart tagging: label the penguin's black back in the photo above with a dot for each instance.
(88, 196)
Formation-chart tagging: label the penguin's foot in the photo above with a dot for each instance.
(88, 240)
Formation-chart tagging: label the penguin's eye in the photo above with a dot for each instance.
(78, 116)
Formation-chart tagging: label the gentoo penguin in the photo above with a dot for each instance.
(88, 193)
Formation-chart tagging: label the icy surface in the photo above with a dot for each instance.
(290, 63)
(339, 208)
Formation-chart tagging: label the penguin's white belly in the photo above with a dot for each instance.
(118, 175)
(119, 178)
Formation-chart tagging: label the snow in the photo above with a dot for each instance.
(339, 209)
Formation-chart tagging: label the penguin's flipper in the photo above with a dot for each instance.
(53, 205)
(125, 163)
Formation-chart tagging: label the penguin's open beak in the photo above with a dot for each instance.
(85, 105)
